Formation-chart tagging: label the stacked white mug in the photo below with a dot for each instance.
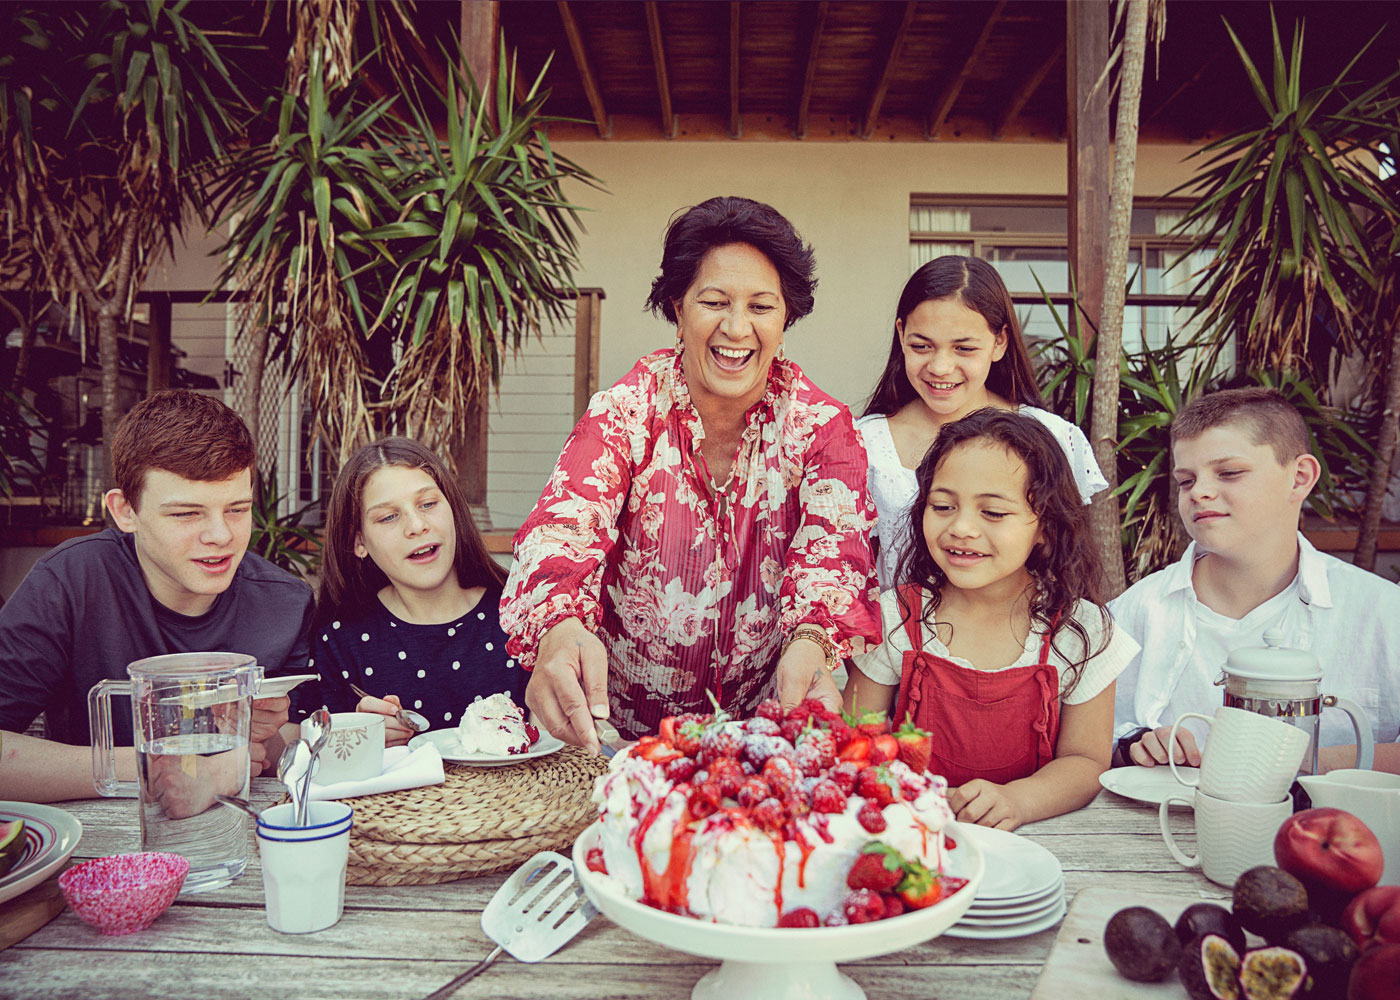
(1241, 794)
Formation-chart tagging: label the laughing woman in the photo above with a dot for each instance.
(706, 530)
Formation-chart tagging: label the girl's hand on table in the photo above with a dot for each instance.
(802, 673)
(396, 734)
(568, 688)
(986, 804)
(1151, 750)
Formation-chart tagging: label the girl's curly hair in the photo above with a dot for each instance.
(1064, 564)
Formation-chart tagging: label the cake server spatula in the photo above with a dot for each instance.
(533, 914)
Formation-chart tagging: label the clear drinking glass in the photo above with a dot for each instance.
(191, 718)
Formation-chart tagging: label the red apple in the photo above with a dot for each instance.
(1329, 850)
(1373, 916)
(1376, 974)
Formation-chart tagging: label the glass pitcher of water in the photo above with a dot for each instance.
(191, 717)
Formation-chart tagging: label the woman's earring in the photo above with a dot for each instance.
(782, 352)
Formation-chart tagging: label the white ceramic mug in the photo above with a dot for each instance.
(1231, 837)
(304, 867)
(1248, 758)
(354, 751)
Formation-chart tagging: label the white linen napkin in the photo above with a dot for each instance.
(403, 768)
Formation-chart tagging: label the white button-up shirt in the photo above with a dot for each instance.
(1348, 618)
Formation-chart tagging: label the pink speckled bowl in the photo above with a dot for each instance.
(124, 893)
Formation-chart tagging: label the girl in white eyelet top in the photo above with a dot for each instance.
(957, 348)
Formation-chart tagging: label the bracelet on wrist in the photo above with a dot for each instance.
(818, 635)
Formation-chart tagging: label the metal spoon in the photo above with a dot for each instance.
(318, 724)
(291, 768)
(407, 717)
(235, 802)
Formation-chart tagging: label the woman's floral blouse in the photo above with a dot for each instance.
(692, 592)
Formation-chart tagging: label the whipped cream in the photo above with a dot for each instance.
(493, 726)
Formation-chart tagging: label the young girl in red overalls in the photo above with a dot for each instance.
(996, 640)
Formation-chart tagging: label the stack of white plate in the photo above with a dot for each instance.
(1023, 891)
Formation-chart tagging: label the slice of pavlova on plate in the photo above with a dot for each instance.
(495, 726)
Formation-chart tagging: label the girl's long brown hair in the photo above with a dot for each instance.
(348, 583)
(976, 284)
(1064, 564)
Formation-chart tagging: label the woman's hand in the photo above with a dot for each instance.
(986, 804)
(568, 688)
(802, 673)
(396, 734)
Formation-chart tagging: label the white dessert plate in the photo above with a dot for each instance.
(998, 910)
(1018, 870)
(979, 933)
(975, 919)
(50, 835)
(447, 744)
(280, 687)
(1147, 784)
(775, 962)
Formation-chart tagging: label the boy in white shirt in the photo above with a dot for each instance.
(1243, 470)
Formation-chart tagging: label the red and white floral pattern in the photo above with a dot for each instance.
(692, 592)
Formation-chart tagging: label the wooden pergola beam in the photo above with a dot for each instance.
(882, 86)
(658, 60)
(813, 46)
(585, 71)
(944, 105)
(736, 124)
(1025, 89)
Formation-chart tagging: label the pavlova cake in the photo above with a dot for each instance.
(495, 726)
(797, 819)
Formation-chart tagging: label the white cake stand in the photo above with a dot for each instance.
(770, 963)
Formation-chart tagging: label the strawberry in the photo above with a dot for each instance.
(800, 917)
(594, 860)
(681, 769)
(827, 797)
(688, 730)
(920, 887)
(872, 818)
(821, 741)
(857, 749)
(894, 906)
(915, 746)
(883, 748)
(723, 739)
(863, 906)
(879, 867)
(652, 749)
(769, 708)
(873, 723)
(844, 774)
(877, 785)
(667, 730)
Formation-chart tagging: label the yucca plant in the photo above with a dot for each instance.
(282, 539)
(394, 266)
(1305, 217)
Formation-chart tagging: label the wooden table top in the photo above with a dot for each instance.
(407, 941)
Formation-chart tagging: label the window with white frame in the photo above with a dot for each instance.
(1025, 239)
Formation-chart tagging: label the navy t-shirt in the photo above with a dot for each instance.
(434, 669)
(84, 612)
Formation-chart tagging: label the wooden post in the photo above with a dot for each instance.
(158, 346)
(588, 316)
(1090, 172)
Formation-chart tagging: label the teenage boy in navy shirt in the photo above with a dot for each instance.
(174, 576)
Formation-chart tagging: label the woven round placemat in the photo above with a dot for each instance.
(479, 820)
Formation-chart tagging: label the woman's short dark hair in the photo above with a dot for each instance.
(720, 222)
(975, 284)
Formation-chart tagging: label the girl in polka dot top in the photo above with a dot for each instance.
(409, 595)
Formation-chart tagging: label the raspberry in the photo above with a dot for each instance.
(782, 774)
(769, 815)
(770, 709)
(827, 797)
(894, 906)
(728, 775)
(822, 742)
(760, 726)
(594, 860)
(681, 769)
(872, 818)
(753, 791)
(800, 917)
(840, 732)
(809, 760)
(845, 774)
(758, 749)
(791, 728)
(811, 706)
(532, 732)
(862, 906)
(835, 919)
